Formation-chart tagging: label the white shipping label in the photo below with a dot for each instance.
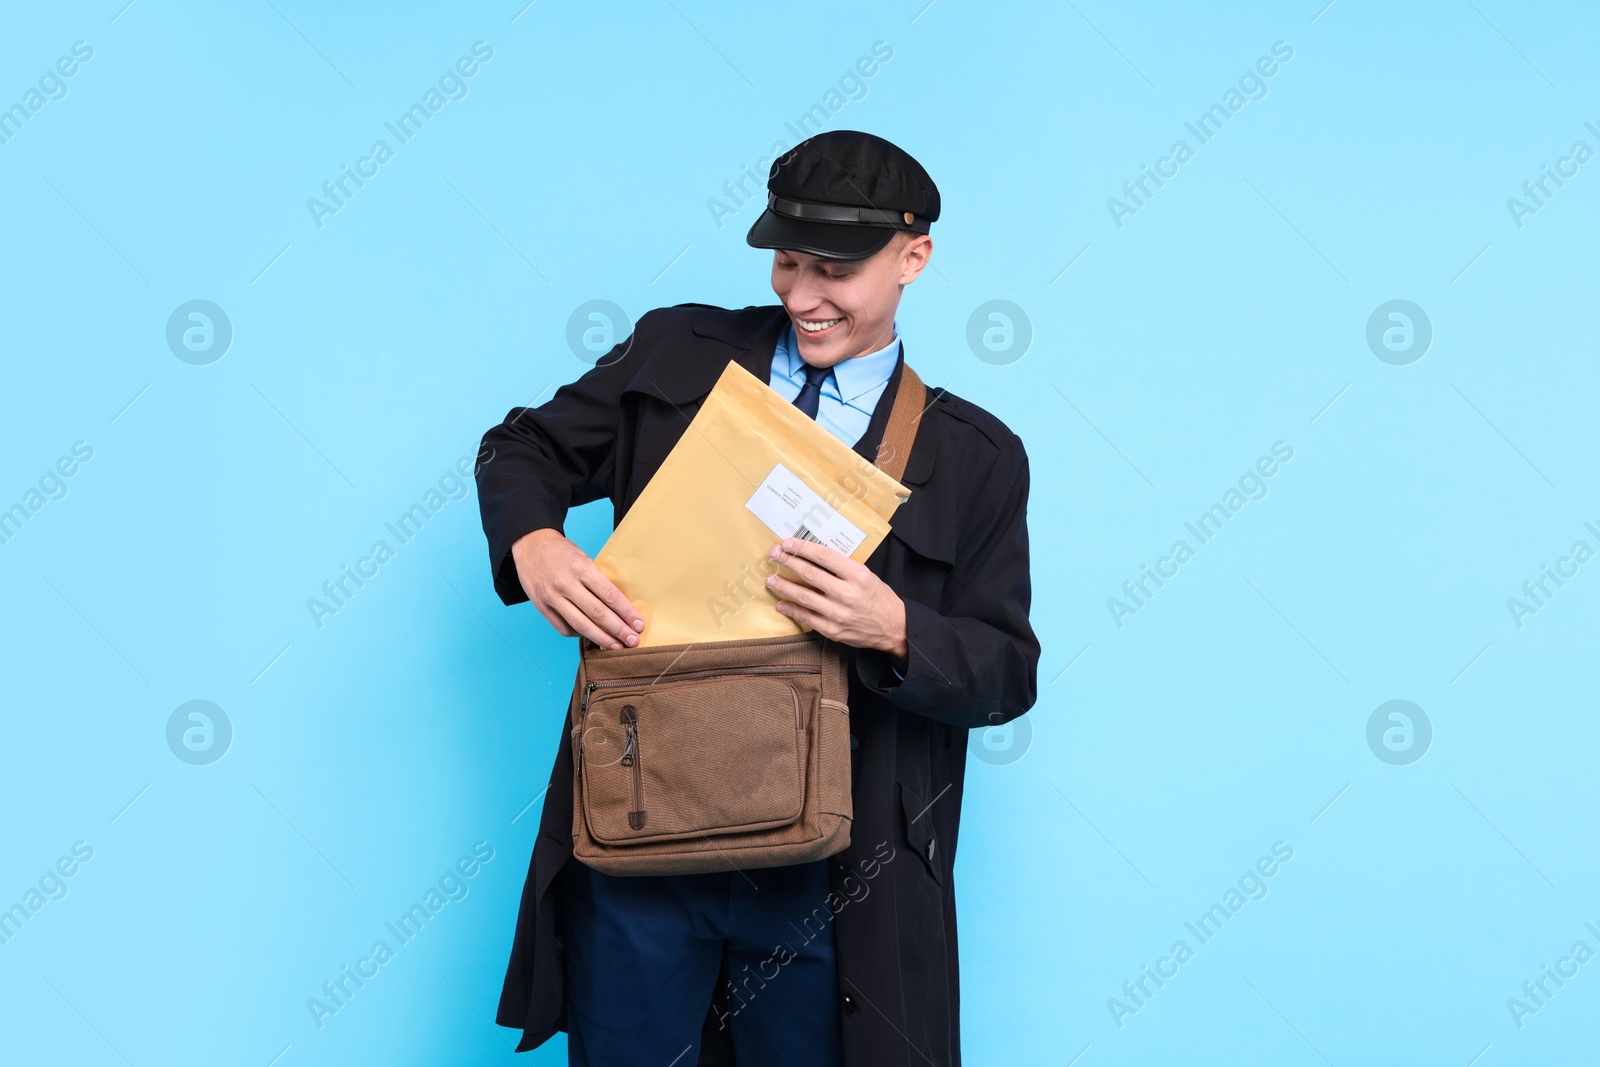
(790, 508)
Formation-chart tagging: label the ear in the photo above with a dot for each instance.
(914, 256)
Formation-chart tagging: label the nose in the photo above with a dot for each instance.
(805, 293)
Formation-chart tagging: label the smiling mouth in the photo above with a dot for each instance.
(817, 325)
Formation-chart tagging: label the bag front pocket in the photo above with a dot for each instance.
(698, 755)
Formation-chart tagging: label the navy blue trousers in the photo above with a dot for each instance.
(643, 955)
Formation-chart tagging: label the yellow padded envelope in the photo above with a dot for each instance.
(691, 553)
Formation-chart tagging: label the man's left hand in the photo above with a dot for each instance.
(839, 598)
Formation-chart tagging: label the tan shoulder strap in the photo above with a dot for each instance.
(910, 400)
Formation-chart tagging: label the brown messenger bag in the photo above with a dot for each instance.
(719, 755)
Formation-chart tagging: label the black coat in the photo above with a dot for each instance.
(957, 555)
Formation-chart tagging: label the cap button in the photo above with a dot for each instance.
(910, 218)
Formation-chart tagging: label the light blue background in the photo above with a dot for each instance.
(1230, 313)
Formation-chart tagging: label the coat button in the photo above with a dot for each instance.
(849, 1002)
(854, 742)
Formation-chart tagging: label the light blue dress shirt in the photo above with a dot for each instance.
(848, 394)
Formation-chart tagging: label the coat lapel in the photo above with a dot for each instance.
(757, 335)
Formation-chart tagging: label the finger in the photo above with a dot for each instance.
(814, 551)
(832, 560)
(817, 564)
(811, 620)
(601, 615)
(793, 592)
(612, 597)
(553, 617)
(583, 624)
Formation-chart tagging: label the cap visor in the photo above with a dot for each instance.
(831, 240)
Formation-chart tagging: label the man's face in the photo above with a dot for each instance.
(853, 302)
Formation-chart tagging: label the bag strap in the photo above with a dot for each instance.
(910, 400)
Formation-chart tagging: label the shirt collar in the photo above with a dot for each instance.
(855, 376)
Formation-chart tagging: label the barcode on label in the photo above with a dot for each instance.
(806, 535)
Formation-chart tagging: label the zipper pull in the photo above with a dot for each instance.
(583, 707)
(630, 747)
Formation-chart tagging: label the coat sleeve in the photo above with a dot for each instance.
(976, 665)
(542, 461)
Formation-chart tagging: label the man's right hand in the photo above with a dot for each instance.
(569, 590)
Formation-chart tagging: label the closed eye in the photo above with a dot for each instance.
(833, 275)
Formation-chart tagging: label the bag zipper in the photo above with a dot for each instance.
(772, 668)
(630, 747)
(629, 716)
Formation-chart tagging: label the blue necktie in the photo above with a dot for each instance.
(811, 392)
